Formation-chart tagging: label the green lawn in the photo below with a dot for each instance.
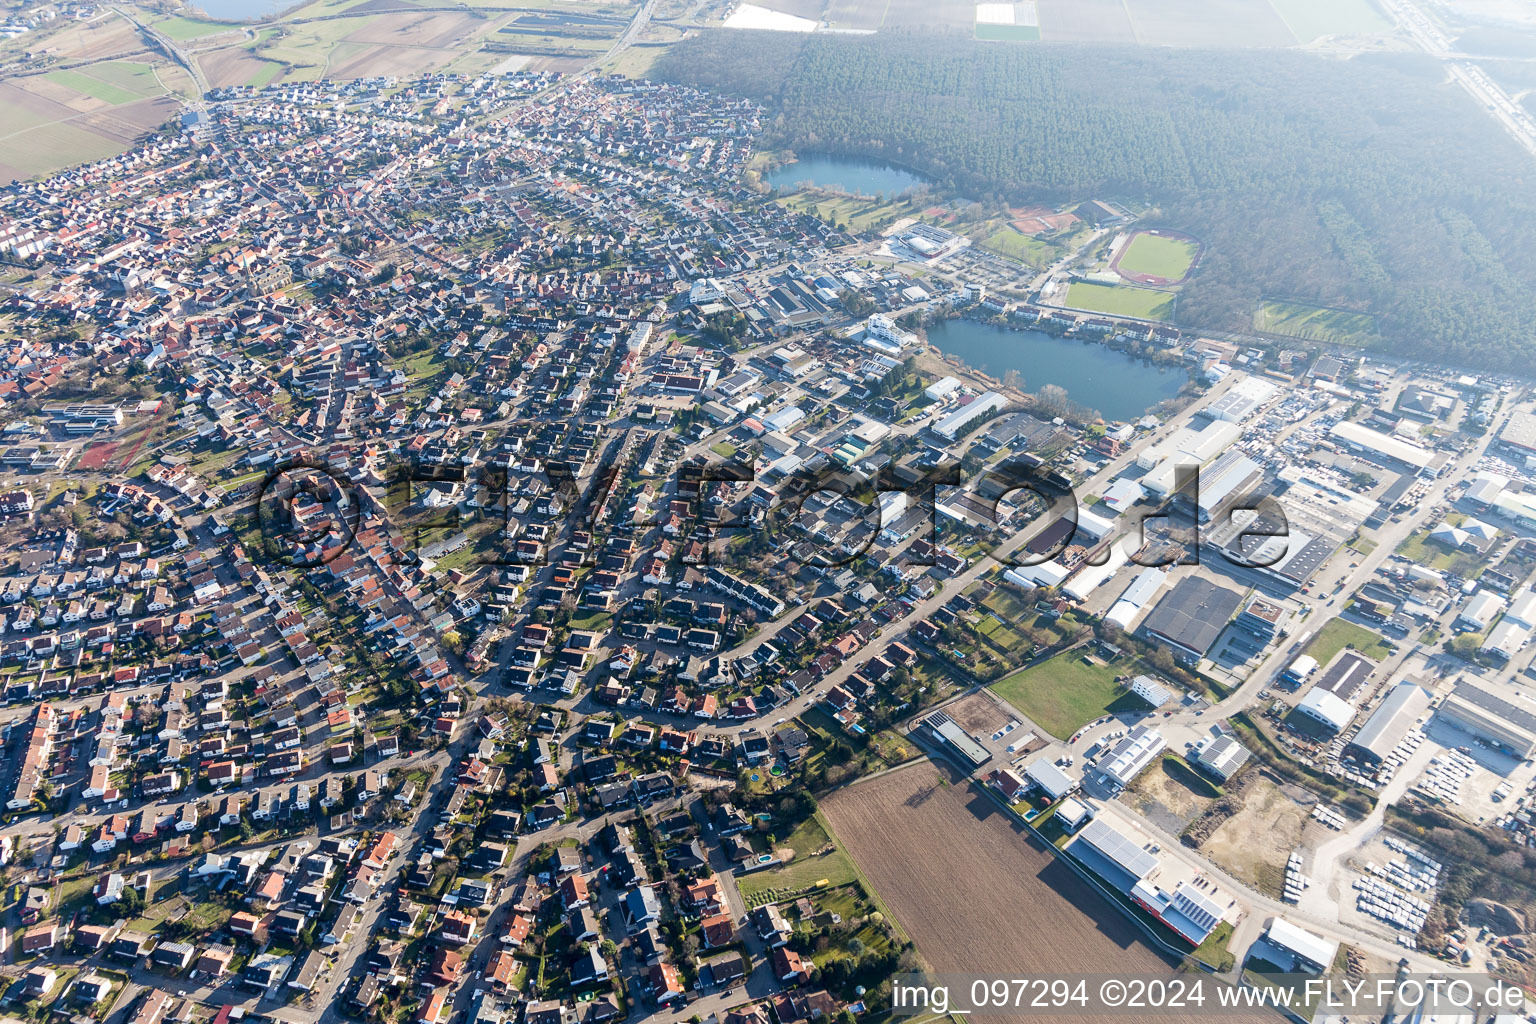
(1441, 557)
(1018, 245)
(805, 870)
(1315, 323)
(1339, 634)
(264, 77)
(179, 28)
(1066, 693)
(1214, 949)
(1158, 255)
(1120, 300)
(114, 82)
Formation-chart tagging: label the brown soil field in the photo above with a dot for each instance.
(1161, 797)
(379, 59)
(978, 715)
(975, 894)
(429, 30)
(1254, 843)
(33, 149)
(96, 39)
(25, 108)
(230, 65)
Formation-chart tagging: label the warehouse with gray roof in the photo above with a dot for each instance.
(1192, 616)
(1505, 721)
(1389, 724)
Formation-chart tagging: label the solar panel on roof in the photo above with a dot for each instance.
(1119, 848)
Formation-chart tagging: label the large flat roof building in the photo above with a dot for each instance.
(1131, 756)
(1505, 720)
(954, 424)
(1520, 431)
(946, 733)
(1310, 952)
(1389, 723)
(1344, 676)
(1323, 707)
(1192, 616)
(1383, 446)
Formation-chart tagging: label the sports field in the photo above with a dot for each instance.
(1120, 300)
(1147, 255)
(1020, 246)
(1315, 323)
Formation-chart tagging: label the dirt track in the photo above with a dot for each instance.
(974, 893)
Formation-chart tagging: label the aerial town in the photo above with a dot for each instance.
(473, 554)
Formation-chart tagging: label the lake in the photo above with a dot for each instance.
(242, 10)
(1118, 385)
(847, 173)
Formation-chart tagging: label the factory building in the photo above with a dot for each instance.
(1505, 721)
(1222, 755)
(1137, 596)
(1308, 952)
(1131, 756)
(1326, 709)
(945, 733)
(1191, 617)
(1192, 909)
(954, 424)
(1386, 449)
(1389, 723)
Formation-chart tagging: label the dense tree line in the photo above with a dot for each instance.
(1369, 184)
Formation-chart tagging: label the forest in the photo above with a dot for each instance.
(1369, 184)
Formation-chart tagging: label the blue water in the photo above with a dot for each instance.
(242, 10)
(1118, 385)
(867, 177)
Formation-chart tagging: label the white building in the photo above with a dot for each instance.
(1132, 755)
(952, 425)
(1309, 952)
(941, 389)
(1151, 691)
(1480, 611)
(1327, 709)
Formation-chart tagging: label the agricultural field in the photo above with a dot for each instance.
(115, 82)
(1229, 23)
(1120, 300)
(1066, 693)
(1312, 20)
(72, 116)
(1149, 255)
(1008, 33)
(1315, 323)
(366, 43)
(1339, 634)
(973, 892)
